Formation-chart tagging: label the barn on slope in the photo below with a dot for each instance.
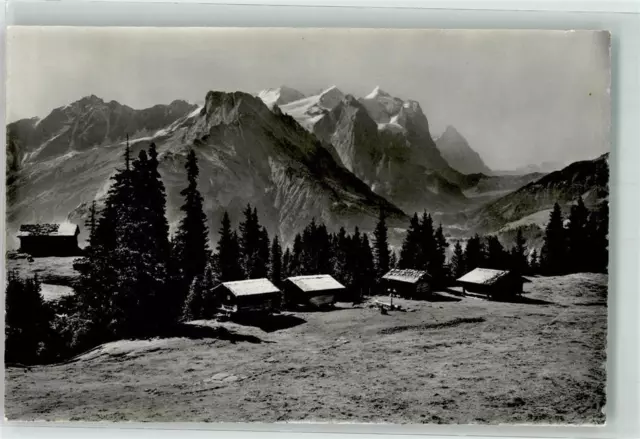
(248, 296)
(40, 240)
(410, 284)
(316, 290)
(490, 282)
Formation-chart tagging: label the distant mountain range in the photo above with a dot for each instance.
(544, 168)
(532, 203)
(331, 156)
(456, 151)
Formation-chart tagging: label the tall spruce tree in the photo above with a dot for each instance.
(534, 263)
(365, 275)
(553, 255)
(295, 262)
(381, 252)
(474, 254)
(341, 254)
(227, 256)
(497, 257)
(92, 225)
(191, 240)
(519, 263)
(411, 251)
(393, 261)
(427, 243)
(264, 254)
(578, 246)
(250, 239)
(275, 273)
(436, 265)
(286, 263)
(457, 261)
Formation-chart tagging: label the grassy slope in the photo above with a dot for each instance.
(505, 362)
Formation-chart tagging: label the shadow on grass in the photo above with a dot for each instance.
(198, 332)
(435, 297)
(523, 299)
(270, 323)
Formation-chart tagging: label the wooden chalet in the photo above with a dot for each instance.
(248, 296)
(40, 240)
(316, 290)
(490, 282)
(410, 284)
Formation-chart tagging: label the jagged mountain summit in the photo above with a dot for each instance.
(280, 96)
(456, 151)
(87, 123)
(308, 110)
(247, 154)
(385, 142)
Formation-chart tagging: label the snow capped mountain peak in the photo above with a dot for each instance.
(279, 96)
(330, 97)
(377, 92)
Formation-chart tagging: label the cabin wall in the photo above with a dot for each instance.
(419, 290)
(295, 296)
(42, 246)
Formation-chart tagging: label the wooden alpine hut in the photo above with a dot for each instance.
(315, 290)
(248, 296)
(490, 282)
(41, 240)
(409, 284)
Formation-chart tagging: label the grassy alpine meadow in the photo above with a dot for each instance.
(454, 359)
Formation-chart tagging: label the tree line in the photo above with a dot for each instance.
(579, 244)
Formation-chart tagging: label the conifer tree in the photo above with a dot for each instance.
(381, 251)
(519, 262)
(457, 261)
(428, 246)
(365, 276)
(286, 263)
(27, 319)
(295, 264)
(341, 254)
(553, 255)
(393, 261)
(410, 253)
(191, 240)
(474, 254)
(439, 257)
(496, 254)
(534, 264)
(250, 244)
(264, 254)
(275, 273)
(228, 253)
(92, 225)
(578, 247)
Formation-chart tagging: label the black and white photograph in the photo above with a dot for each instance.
(281, 225)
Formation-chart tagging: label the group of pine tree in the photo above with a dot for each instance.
(137, 281)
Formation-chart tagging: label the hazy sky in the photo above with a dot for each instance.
(519, 97)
